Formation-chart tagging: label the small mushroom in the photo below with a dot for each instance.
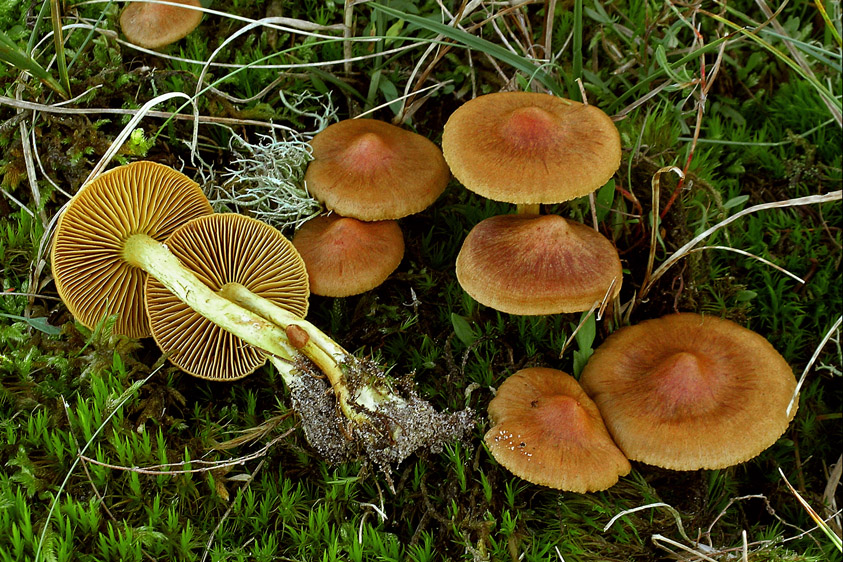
(90, 269)
(549, 432)
(346, 256)
(222, 249)
(687, 391)
(153, 26)
(537, 264)
(530, 148)
(371, 170)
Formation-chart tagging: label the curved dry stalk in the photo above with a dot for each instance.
(684, 250)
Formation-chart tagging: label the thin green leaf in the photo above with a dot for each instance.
(12, 55)
(463, 329)
(58, 37)
(40, 323)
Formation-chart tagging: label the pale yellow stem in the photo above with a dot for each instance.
(317, 346)
(156, 259)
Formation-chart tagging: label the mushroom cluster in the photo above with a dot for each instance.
(531, 149)
(683, 392)
(222, 293)
(368, 173)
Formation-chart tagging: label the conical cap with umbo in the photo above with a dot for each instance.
(549, 432)
(687, 391)
(89, 269)
(154, 26)
(529, 148)
(221, 249)
(537, 264)
(346, 256)
(371, 170)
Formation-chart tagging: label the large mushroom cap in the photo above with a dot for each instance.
(687, 391)
(548, 431)
(345, 256)
(537, 264)
(153, 26)
(222, 249)
(371, 170)
(528, 148)
(91, 275)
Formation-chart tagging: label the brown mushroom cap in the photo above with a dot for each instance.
(371, 170)
(528, 148)
(221, 249)
(537, 264)
(153, 26)
(687, 391)
(89, 270)
(549, 432)
(345, 256)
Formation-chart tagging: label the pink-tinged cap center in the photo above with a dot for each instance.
(368, 150)
(529, 127)
(565, 416)
(683, 385)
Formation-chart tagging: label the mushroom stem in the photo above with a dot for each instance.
(153, 257)
(528, 208)
(319, 347)
(253, 319)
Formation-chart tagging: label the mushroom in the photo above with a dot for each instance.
(346, 256)
(91, 273)
(153, 26)
(371, 170)
(537, 264)
(687, 391)
(530, 148)
(377, 417)
(549, 432)
(222, 249)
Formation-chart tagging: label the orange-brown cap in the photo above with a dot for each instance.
(687, 391)
(153, 26)
(222, 249)
(537, 264)
(549, 432)
(528, 148)
(345, 256)
(372, 170)
(90, 272)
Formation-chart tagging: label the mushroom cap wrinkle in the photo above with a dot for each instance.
(346, 256)
(89, 268)
(537, 264)
(529, 148)
(221, 249)
(154, 26)
(687, 391)
(549, 432)
(371, 170)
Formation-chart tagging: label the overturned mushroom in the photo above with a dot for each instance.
(90, 267)
(378, 417)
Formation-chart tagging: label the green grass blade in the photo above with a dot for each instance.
(478, 44)
(818, 86)
(829, 24)
(12, 55)
(577, 44)
(58, 37)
